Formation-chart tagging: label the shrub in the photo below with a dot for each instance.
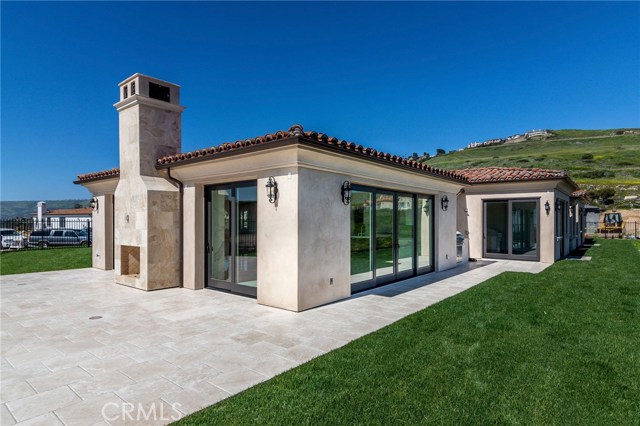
(587, 156)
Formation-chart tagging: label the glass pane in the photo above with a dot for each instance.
(246, 216)
(405, 218)
(424, 231)
(384, 234)
(497, 222)
(524, 225)
(220, 235)
(361, 236)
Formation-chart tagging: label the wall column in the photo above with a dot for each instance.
(445, 233)
(102, 233)
(193, 236)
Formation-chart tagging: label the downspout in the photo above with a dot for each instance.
(181, 219)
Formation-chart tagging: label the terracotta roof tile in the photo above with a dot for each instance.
(509, 174)
(320, 139)
(115, 172)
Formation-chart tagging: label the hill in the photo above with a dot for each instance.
(13, 209)
(593, 158)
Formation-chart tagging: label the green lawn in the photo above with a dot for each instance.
(53, 259)
(559, 347)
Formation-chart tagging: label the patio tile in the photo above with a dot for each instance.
(89, 412)
(300, 353)
(13, 389)
(5, 416)
(146, 391)
(148, 369)
(196, 397)
(101, 384)
(48, 419)
(57, 379)
(41, 403)
(238, 380)
(104, 365)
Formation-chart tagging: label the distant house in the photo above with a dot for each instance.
(62, 218)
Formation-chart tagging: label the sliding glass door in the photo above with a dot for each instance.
(511, 229)
(231, 247)
(391, 236)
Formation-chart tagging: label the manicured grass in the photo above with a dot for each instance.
(53, 259)
(559, 347)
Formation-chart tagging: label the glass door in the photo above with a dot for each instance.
(391, 236)
(385, 237)
(405, 220)
(511, 229)
(231, 248)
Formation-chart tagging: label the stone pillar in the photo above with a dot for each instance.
(193, 229)
(102, 233)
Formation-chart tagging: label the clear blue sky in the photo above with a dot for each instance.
(403, 78)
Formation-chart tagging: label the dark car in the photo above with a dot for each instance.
(57, 237)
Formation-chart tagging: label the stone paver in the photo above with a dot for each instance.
(177, 350)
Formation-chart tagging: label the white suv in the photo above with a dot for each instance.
(12, 239)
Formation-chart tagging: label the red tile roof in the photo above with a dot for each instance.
(317, 139)
(509, 174)
(105, 174)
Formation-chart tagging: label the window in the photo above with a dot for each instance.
(133, 88)
(61, 222)
(125, 92)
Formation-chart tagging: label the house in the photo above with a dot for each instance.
(78, 218)
(521, 214)
(295, 218)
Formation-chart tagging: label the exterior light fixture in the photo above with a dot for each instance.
(558, 204)
(444, 203)
(346, 192)
(547, 207)
(272, 189)
(94, 204)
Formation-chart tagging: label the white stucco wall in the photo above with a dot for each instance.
(102, 247)
(323, 239)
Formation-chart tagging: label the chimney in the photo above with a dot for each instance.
(147, 228)
(41, 212)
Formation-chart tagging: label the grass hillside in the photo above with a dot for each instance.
(591, 157)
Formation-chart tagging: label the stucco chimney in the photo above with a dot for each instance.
(147, 229)
(41, 210)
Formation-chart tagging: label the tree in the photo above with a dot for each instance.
(440, 151)
(603, 195)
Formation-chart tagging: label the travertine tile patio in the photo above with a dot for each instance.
(177, 346)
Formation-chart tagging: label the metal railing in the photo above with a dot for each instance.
(628, 230)
(50, 232)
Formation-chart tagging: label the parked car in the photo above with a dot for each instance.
(12, 239)
(57, 237)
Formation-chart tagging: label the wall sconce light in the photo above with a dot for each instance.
(94, 204)
(346, 192)
(444, 203)
(547, 207)
(272, 189)
(558, 204)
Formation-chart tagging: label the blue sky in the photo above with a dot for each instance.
(399, 77)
